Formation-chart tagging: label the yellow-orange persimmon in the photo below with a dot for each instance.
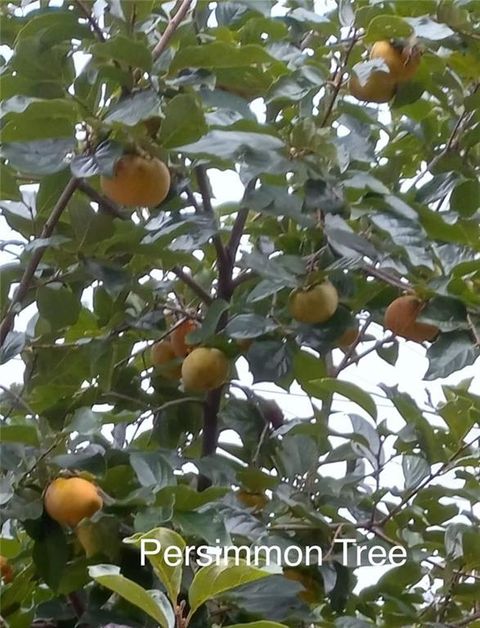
(315, 304)
(402, 59)
(401, 318)
(69, 500)
(178, 338)
(205, 369)
(137, 181)
(163, 357)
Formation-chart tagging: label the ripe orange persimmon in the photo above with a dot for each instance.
(178, 338)
(6, 571)
(379, 87)
(401, 318)
(163, 357)
(348, 337)
(69, 500)
(402, 59)
(205, 369)
(315, 304)
(137, 182)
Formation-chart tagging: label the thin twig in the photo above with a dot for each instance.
(91, 20)
(475, 332)
(171, 28)
(351, 349)
(104, 203)
(29, 272)
(338, 77)
(192, 284)
(442, 469)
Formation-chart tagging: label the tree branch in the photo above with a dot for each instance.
(91, 20)
(442, 469)
(239, 224)
(192, 284)
(171, 28)
(104, 203)
(338, 77)
(351, 349)
(224, 261)
(29, 272)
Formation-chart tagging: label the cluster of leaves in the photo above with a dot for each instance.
(331, 185)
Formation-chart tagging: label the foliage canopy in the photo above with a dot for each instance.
(382, 200)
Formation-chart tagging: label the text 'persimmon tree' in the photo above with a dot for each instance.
(138, 303)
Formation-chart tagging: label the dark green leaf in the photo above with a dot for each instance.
(39, 157)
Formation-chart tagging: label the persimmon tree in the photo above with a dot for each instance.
(346, 200)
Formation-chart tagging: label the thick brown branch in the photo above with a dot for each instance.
(239, 224)
(29, 272)
(171, 28)
(224, 261)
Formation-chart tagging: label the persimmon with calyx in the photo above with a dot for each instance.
(178, 338)
(6, 571)
(401, 58)
(69, 500)
(164, 358)
(137, 181)
(205, 369)
(402, 61)
(314, 304)
(401, 318)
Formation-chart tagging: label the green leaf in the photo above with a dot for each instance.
(210, 322)
(170, 576)
(184, 122)
(228, 144)
(125, 49)
(40, 156)
(219, 55)
(415, 469)
(58, 305)
(326, 386)
(50, 554)
(26, 434)
(446, 313)
(53, 27)
(465, 198)
(152, 469)
(454, 540)
(135, 108)
(102, 161)
(8, 185)
(270, 360)
(148, 601)
(213, 580)
(450, 353)
(12, 345)
(426, 28)
(387, 27)
(249, 326)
